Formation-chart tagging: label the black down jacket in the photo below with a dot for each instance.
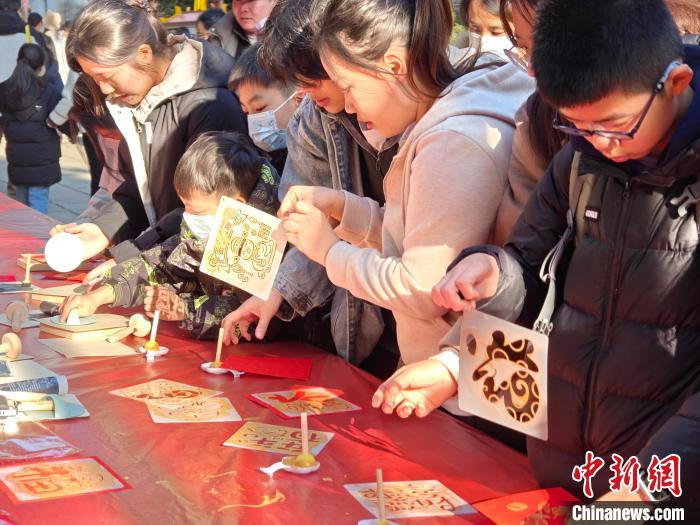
(33, 149)
(176, 122)
(624, 354)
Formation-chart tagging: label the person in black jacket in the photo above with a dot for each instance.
(624, 338)
(162, 93)
(33, 149)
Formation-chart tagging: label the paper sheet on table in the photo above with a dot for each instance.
(91, 348)
(29, 323)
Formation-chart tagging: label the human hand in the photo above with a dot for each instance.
(85, 304)
(474, 278)
(417, 388)
(308, 229)
(171, 305)
(98, 272)
(330, 202)
(254, 309)
(90, 235)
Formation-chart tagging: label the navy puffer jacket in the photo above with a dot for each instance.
(33, 149)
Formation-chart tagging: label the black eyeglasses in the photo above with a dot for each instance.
(617, 135)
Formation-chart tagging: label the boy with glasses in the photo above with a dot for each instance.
(624, 340)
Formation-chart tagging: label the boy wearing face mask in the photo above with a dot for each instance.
(167, 277)
(268, 103)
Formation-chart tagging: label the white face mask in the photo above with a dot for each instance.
(200, 225)
(263, 129)
(491, 44)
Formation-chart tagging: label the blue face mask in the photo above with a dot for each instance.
(263, 129)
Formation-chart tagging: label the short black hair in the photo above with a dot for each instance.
(287, 50)
(10, 5)
(34, 19)
(248, 68)
(210, 17)
(219, 163)
(585, 50)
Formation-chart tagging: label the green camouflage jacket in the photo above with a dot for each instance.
(174, 265)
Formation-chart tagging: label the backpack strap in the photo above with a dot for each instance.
(574, 217)
(690, 196)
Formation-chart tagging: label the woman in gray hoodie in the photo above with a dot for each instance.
(456, 127)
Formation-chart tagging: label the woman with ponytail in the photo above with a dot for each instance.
(162, 93)
(446, 181)
(33, 149)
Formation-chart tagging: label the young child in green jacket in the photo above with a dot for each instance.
(167, 277)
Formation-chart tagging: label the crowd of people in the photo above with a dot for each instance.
(418, 175)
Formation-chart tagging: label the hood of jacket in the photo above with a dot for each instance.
(493, 92)
(197, 65)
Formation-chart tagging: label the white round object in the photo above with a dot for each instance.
(207, 367)
(157, 353)
(64, 252)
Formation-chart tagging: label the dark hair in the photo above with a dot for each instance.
(686, 14)
(34, 19)
(10, 5)
(220, 163)
(249, 70)
(360, 32)
(585, 50)
(287, 51)
(109, 32)
(524, 7)
(492, 6)
(24, 83)
(210, 17)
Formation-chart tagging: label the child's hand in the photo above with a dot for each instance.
(171, 306)
(86, 305)
(308, 229)
(98, 272)
(90, 235)
(329, 202)
(473, 279)
(236, 323)
(417, 388)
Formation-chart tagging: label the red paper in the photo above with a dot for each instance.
(286, 367)
(7, 279)
(77, 277)
(550, 506)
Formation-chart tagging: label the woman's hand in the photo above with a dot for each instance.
(308, 229)
(90, 235)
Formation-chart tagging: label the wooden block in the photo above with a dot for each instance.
(57, 294)
(39, 263)
(106, 325)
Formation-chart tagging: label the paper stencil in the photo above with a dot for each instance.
(503, 373)
(245, 248)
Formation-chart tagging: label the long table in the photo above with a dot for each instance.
(181, 473)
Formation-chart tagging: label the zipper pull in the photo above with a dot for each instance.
(626, 192)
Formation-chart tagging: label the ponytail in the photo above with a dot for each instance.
(24, 82)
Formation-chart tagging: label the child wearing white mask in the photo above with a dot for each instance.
(268, 103)
(485, 31)
(167, 277)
